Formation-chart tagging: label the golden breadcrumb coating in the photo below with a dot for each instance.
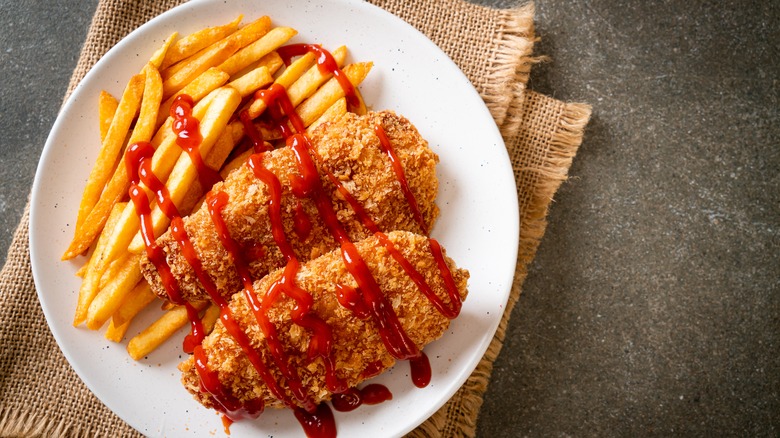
(350, 150)
(357, 348)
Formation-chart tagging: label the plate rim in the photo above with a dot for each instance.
(95, 70)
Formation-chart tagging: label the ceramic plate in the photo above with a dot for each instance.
(478, 224)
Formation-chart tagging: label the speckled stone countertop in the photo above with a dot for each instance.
(653, 306)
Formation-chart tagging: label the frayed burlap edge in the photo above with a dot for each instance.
(29, 425)
(511, 61)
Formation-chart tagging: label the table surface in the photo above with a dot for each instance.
(653, 305)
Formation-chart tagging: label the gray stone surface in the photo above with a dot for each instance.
(40, 43)
(652, 307)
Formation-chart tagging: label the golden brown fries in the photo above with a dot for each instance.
(160, 330)
(107, 158)
(204, 84)
(140, 297)
(329, 93)
(89, 287)
(335, 111)
(184, 173)
(110, 297)
(180, 74)
(195, 42)
(159, 56)
(106, 108)
(220, 68)
(117, 186)
(253, 52)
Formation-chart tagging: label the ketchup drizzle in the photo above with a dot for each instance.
(350, 299)
(277, 94)
(226, 403)
(387, 148)
(216, 202)
(188, 137)
(325, 63)
(322, 339)
(352, 398)
(254, 134)
(301, 222)
(138, 159)
(366, 301)
(319, 423)
(421, 370)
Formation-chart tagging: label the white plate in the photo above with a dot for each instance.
(478, 224)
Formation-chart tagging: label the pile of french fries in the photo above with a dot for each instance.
(220, 67)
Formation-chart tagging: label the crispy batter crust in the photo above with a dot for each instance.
(351, 151)
(356, 342)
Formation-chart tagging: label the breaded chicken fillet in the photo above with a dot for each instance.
(358, 351)
(350, 150)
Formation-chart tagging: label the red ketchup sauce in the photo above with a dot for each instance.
(366, 301)
(387, 148)
(188, 137)
(352, 398)
(326, 65)
(138, 159)
(254, 134)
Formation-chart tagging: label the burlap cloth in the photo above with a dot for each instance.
(39, 392)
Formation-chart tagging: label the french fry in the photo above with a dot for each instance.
(107, 158)
(150, 106)
(184, 173)
(82, 271)
(286, 79)
(165, 157)
(165, 133)
(252, 81)
(160, 54)
(361, 109)
(89, 287)
(329, 93)
(116, 333)
(218, 67)
(216, 158)
(201, 86)
(135, 301)
(210, 318)
(256, 50)
(140, 297)
(193, 68)
(159, 331)
(313, 79)
(335, 111)
(227, 140)
(195, 42)
(112, 269)
(235, 163)
(179, 75)
(271, 61)
(110, 297)
(117, 186)
(107, 105)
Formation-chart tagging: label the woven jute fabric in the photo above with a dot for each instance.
(40, 395)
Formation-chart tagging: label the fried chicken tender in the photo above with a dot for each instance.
(357, 349)
(350, 150)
